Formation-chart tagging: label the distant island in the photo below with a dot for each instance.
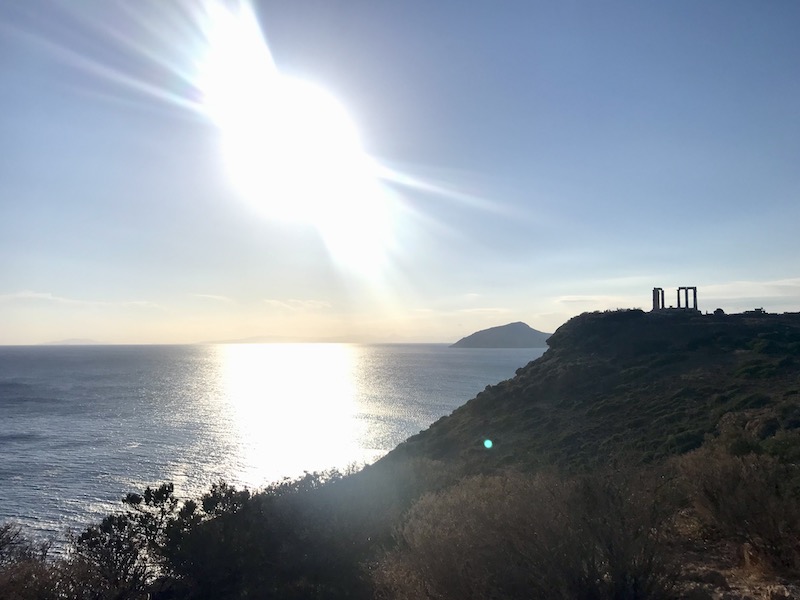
(513, 335)
(73, 342)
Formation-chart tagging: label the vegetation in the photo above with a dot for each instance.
(633, 440)
(523, 536)
(747, 496)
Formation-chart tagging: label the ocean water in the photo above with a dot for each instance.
(81, 426)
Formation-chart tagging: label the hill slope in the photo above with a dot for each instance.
(513, 335)
(654, 384)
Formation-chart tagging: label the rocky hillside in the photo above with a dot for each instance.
(653, 384)
(616, 394)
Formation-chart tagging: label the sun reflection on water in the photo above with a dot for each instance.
(292, 407)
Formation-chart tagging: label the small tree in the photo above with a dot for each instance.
(129, 550)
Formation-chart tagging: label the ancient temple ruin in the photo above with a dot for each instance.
(686, 291)
(683, 295)
(658, 298)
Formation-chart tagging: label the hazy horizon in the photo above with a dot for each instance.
(255, 339)
(389, 172)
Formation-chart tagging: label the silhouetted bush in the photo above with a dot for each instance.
(517, 536)
(128, 551)
(312, 537)
(290, 540)
(16, 547)
(28, 573)
(23, 572)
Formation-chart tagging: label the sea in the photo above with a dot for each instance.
(81, 426)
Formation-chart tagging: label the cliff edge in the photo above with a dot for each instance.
(655, 384)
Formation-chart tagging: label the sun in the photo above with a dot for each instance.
(289, 146)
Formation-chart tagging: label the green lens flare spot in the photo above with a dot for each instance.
(487, 443)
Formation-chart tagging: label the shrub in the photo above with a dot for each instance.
(127, 551)
(23, 572)
(753, 499)
(27, 573)
(294, 539)
(16, 547)
(517, 536)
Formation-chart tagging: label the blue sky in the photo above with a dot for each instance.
(540, 159)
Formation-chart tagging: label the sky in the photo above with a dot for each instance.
(370, 171)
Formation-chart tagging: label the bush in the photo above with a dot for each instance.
(16, 547)
(753, 499)
(517, 536)
(23, 573)
(27, 573)
(303, 538)
(129, 551)
(292, 540)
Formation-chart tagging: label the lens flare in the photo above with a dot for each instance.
(290, 147)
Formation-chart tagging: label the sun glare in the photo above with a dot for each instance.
(290, 147)
(278, 410)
